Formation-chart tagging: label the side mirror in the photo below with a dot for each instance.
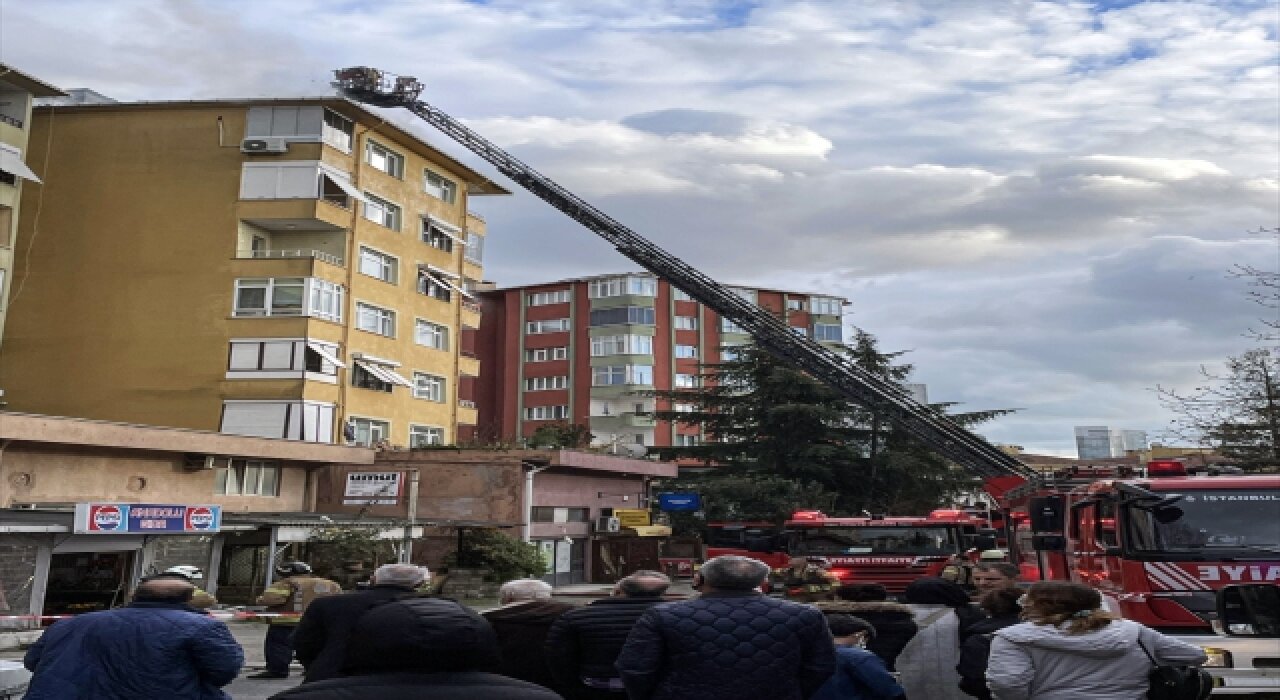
(1049, 543)
(1250, 610)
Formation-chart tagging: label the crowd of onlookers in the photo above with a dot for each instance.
(1047, 640)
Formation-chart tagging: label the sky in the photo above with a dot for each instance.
(1040, 201)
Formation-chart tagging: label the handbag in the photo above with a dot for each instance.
(1169, 682)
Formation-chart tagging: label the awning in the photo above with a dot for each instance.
(649, 530)
(11, 162)
(446, 228)
(443, 277)
(326, 353)
(383, 373)
(343, 182)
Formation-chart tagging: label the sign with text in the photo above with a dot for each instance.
(147, 518)
(372, 488)
(680, 501)
(632, 517)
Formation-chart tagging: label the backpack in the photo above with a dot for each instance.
(1176, 682)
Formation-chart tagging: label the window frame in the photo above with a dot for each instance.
(240, 468)
(555, 296)
(435, 390)
(438, 331)
(347, 128)
(384, 316)
(389, 156)
(560, 325)
(553, 412)
(447, 188)
(549, 383)
(418, 429)
(685, 352)
(685, 323)
(390, 210)
(370, 423)
(389, 265)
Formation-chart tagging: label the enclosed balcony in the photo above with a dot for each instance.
(256, 243)
(301, 195)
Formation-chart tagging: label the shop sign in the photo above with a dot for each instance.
(372, 488)
(146, 518)
(632, 517)
(680, 501)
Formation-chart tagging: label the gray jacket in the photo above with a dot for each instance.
(1044, 663)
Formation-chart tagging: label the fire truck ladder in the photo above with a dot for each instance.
(381, 89)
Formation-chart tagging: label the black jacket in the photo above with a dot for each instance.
(420, 648)
(323, 631)
(976, 650)
(522, 637)
(586, 641)
(895, 625)
(736, 645)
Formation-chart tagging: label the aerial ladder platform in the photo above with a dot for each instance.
(977, 456)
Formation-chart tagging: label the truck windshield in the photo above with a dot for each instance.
(1218, 522)
(876, 540)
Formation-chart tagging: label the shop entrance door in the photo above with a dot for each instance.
(82, 582)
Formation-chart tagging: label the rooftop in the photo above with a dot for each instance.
(731, 285)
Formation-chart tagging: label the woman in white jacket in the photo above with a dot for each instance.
(1069, 649)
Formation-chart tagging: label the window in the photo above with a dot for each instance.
(247, 477)
(827, 331)
(618, 286)
(375, 319)
(621, 345)
(727, 326)
(382, 212)
(429, 387)
(555, 325)
(364, 378)
(424, 435)
(686, 323)
(475, 248)
(432, 286)
(311, 421)
(686, 381)
(287, 354)
(440, 187)
(795, 304)
(326, 300)
(632, 315)
(438, 234)
(432, 335)
(560, 296)
(552, 514)
(747, 294)
(546, 354)
(686, 351)
(546, 413)
(337, 131)
(278, 296)
(384, 159)
(294, 123)
(825, 306)
(384, 267)
(369, 432)
(729, 352)
(688, 440)
(619, 375)
(680, 295)
(546, 383)
(682, 408)
(800, 331)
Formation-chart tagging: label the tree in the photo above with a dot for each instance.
(746, 497)
(505, 558)
(561, 435)
(1237, 412)
(761, 416)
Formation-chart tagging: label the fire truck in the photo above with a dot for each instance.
(1158, 547)
(890, 550)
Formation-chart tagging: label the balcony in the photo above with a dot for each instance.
(290, 254)
(286, 215)
(470, 313)
(622, 420)
(468, 366)
(467, 413)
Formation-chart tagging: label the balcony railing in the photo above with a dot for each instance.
(466, 403)
(18, 122)
(295, 253)
(471, 306)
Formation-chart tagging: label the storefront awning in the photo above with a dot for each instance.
(649, 530)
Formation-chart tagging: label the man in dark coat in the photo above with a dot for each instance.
(894, 622)
(732, 642)
(584, 643)
(1001, 606)
(325, 628)
(420, 648)
(522, 624)
(158, 646)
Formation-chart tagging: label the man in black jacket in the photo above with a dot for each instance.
(894, 622)
(522, 623)
(732, 643)
(325, 628)
(584, 643)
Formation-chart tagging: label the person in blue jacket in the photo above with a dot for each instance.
(860, 674)
(158, 646)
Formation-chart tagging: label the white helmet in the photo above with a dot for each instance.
(187, 572)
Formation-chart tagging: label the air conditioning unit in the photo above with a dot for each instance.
(270, 144)
(608, 525)
(195, 463)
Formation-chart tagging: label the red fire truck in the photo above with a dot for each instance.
(1158, 547)
(890, 550)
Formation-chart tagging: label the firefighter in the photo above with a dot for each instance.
(805, 579)
(286, 599)
(959, 569)
(200, 599)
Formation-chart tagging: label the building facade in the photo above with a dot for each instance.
(584, 350)
(18, 92)
(1102, 442)
(279, 268)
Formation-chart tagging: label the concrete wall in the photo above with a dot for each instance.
(576, 490)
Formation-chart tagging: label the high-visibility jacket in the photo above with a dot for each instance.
(289, 597)
(810, 584)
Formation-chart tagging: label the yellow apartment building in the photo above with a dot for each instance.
(17, 93)
(292, 268)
